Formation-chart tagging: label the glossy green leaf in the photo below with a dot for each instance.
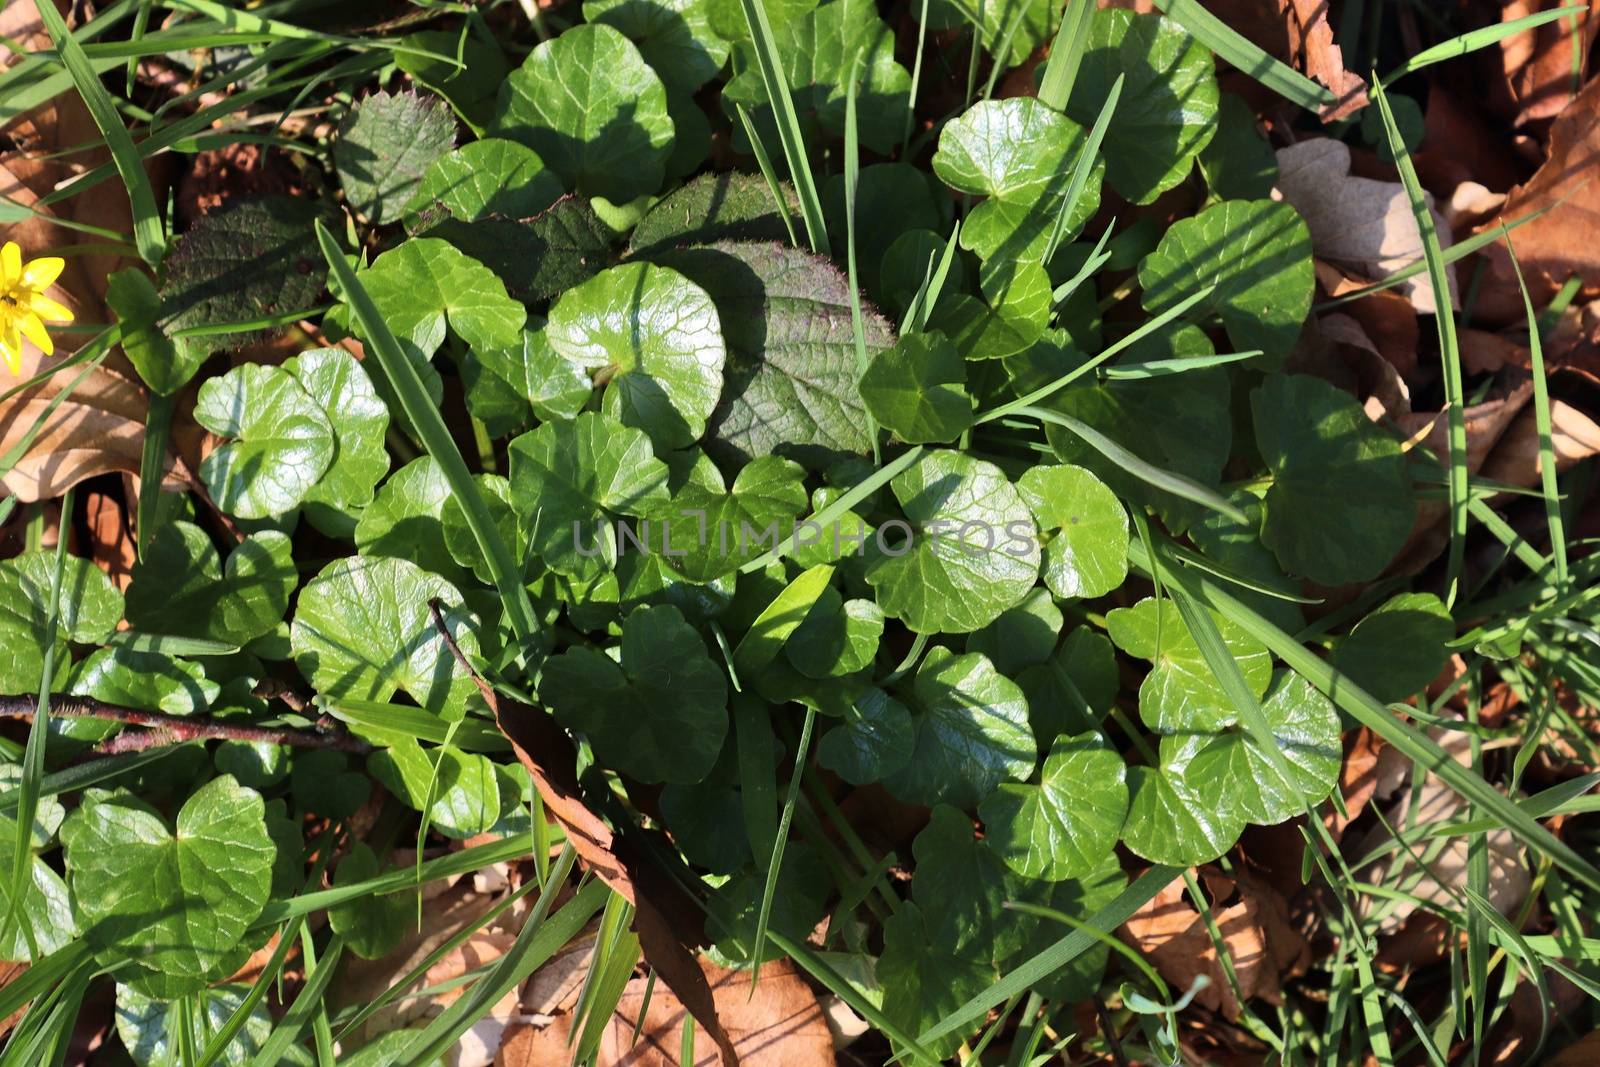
(1168, 107)
(1087, 551)
(875, 739)
(488, 177)
(182, 587)
(969, 552)
(362, 629)
(406, 521)
(592, 108)
(460, 791)
(178, 903)
(654, 339)
(1180, 695)
(146, 1026)
(704, 533)
(1177, 818)
(1023, 636)
(917, 389)
(1398, 648)
(837, 637)
(1064, 826)
(971, 732)
(674, 36)
(1257, 253)
(658, 712)
(1072, 691)
(571, 480)
(338, 384)
(425, 284)
(88, 612)
(280, 442)
(1019, 154)
(963, 890)
(151, 681)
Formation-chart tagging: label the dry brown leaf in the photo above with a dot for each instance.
(1323, 61)
(1584, 1052)
(1445, 867)
(1363, 225)
(1358, 778)
(1261, 943)
(1515, 460)
(1386, 317)
(780, 1026)
(1536, 66)
(1565, 240)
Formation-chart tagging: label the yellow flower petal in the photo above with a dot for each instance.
(48, 309)
(10, 264)
(11, 345)
(39, 273)
(35, 331)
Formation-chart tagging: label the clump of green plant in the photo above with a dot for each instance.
(681, 500)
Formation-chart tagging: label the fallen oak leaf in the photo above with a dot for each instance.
(667, 920)
(1323, 60)
(1537, 72)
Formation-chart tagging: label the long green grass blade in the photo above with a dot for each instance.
(852, 178)
(1066, 54)
(1473, 40)
(1167, 481)
(1249, 57)
(775, 864)
(1084, 166)
(764, 163)
(149, 234)
(429, 424)
(859, 492)
(1544, 427)
(1449, 349)
(540, 939)
(770, 65)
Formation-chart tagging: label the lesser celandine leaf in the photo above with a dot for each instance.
(148, 1027)
(968, 548)
(1177, 818)
(459, 790)
(1087, 551)
(338, 384)
(1028, 22)
(182, 587)
(1257, 254)
(922, 981)
(837, 637)
(1398, 648)
(406, 519)
(1341, 504)
(488, 177)
(971, 732)
(179, 902)
(658, 712)
(1023, 636)
(1180, 694)
(1072, 690)
(1168, 106)
(703, 533)
(571, 480)
(654, 339)
(1306, 728)
(280, 442)
(46, 906)
(674, 36)
(875, 739)
(1064, 826)
(1019, 154)
(425, 284)
(152, 681)
(964, 889)
(592, 108)
(362, 629)
(917, 389)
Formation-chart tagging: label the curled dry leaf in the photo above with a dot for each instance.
(1262, 945)
(1336, 348)
(1565, 240)
(1358, 223)
(1322, 60)
(1387, 317)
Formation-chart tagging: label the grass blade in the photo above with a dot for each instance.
(775, 865)
(852, 177)
(1449, 351)
(862, 489)
(152, 463)
(764, 162)
(1085, 164)
(1473, 40)
(1167, 481)
(429, 424)
(1058, 955)
(537, 942)
(770, 65)
(1541, 416)
(149, 234)
(1066, 54)
(1226, 42)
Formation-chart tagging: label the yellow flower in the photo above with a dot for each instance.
(23, 305)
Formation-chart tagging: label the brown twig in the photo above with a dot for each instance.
(159, 729)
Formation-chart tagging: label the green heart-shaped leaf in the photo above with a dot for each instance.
(1087, 551)
(917, 389)
(1065, 825)
(1180, 695)
(279, 445)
